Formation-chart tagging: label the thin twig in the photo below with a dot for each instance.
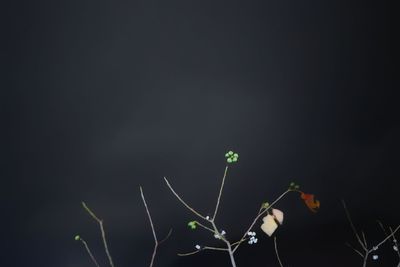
(220, 193)
(396, 245)
(260, 213)
(385, 239)
(183, 202)
(364, 239)
(205, 227)
(89, 252)
(356, 250)
(276, 252)
(153, 256)
(352, 226)
(382, 227)
(103, 234)
(166, 237)
(203, 248)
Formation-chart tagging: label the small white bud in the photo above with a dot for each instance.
(197, 247)
(375, 257)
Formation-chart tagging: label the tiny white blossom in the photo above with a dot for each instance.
(375, 257)
(223, 232)
(197, 247)
(207, 217)
(252, 240)
(374, 248)
(395, 248)
(251, 233)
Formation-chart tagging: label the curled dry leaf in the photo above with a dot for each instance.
(311, 203)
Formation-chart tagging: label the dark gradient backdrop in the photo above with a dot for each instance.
(100, 97)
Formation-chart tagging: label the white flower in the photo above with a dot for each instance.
(198, 247)
(207, 217)
(252, 240)
(395, 248)
(219, 236)
(375, 257)
(251, 233)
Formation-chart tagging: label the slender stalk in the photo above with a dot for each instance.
(220, 193)
(365, 258)
(276, 252)
(203, 248)
(103, 234)
(205, 227)
(364, 239)
(353, 227)
(89, 252)
(355, 250)
(183, 202)
(152, 228)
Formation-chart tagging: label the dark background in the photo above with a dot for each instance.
(100, 97)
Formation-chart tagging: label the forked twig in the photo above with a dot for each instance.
(363, 244)
(156, 242)
(103, 234)
(230, 247)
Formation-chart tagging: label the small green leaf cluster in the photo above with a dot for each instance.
(294, 186)
(192, 225)
(231, 157)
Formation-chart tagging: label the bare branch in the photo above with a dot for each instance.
(166, 237)
(89, 252)
(356, 250)
(103, 234)
(220, 193)
(183, 202)
(384, 240)
(364, 239)
(153, 256)
(276, 252)
(204, 248)
(352, 226)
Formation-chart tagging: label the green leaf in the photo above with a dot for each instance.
(192, 225)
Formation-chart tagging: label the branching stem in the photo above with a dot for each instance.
(103, 234)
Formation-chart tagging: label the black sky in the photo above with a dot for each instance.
(100, 97)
